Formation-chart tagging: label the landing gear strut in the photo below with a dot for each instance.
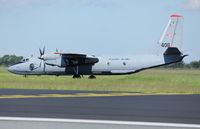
(76, 73)
(91, 77)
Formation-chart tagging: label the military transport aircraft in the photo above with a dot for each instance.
(76, 64)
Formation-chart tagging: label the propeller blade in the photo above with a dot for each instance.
(40, 52)
(43, 51)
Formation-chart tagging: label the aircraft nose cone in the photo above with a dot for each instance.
(10, 69)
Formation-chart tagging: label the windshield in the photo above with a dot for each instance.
(24, 60)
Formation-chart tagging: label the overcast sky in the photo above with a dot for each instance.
(97, 27)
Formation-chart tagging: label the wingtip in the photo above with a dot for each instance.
(174, 15)
(57, 53)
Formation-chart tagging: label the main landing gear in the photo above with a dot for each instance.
(91, 77)
(77, 75)
(81, 76)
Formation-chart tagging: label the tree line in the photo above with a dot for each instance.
(8, 60)
(183, 65)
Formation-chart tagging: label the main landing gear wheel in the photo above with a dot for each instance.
(76, 72)
(76, 76)
(91, 77)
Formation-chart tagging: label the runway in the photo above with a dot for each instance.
(150, 108)
(118, 106)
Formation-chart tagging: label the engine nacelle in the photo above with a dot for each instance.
(47, 57)
(53, 61)
(68, 61)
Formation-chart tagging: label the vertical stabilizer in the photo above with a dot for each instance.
(172, 35)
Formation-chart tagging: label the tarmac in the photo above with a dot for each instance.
(107, 106)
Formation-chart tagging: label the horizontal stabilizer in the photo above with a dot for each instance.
(172, 51)
(172, 55)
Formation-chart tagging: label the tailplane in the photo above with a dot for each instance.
(173, 55)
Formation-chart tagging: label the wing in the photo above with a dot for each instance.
(73, 59)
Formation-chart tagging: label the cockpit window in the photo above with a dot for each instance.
(24, 60)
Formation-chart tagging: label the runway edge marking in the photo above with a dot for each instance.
(86, 95)
(179, 125)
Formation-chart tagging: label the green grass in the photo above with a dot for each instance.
(170, 81)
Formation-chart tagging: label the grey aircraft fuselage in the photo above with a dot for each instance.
(105, 66)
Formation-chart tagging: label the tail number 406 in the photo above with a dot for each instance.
(165, 45)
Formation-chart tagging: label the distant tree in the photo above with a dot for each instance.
(187, 66)
(7, 60)
(175, 65)
(195, 64)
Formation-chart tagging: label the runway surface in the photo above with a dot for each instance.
(117, 106)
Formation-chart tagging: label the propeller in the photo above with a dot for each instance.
(46, 57)
(41, 53)
(41, 58)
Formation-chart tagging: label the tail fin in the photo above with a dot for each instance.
(172, 35)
